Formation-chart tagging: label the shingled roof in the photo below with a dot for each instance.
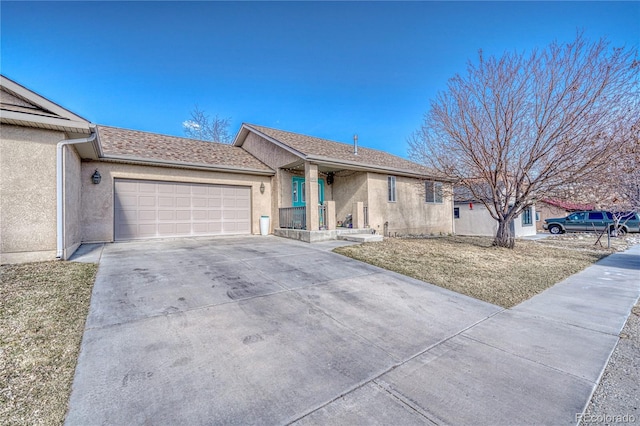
(137, 146)
(323, 150)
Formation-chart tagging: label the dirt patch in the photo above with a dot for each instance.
(43, 308)
(472, 266)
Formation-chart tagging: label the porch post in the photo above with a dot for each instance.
(311, 195)
(331, 215)
(358, 215)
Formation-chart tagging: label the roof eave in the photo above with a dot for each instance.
(41, 101)
(372, 168)
(246, 128)
(184, 165)
(44, 122)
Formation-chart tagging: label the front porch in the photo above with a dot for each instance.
(325, 235)
(292, 222)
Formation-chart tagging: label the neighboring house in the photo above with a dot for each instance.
(65, 181)
(473, 218)
(550, 208)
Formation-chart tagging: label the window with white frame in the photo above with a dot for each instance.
(526, 217)
(391, 188)
(433, 191)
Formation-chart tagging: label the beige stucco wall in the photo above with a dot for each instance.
(548, 211)
(474, 220)
(274, 157)
(478, 221)
(72, 199)
(27, 193)
(348, 187)
(409, 214)
(98, 203)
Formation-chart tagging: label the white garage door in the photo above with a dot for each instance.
(148, 209)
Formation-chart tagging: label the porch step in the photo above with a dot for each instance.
(361, 238)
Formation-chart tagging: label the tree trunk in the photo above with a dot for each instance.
(504, 235)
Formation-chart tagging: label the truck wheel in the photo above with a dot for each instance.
(555, 229)
(622, 231)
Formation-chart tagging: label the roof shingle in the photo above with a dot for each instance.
(142, 146)
(338, 151)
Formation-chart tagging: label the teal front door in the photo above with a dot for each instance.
(298, 194)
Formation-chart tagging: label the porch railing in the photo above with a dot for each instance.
(293, 217)
(296, 217)
(322, 216)
(366, 215)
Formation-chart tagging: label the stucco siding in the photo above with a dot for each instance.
(72, 199)
(475, 220)
(548, 211)
(409, 214)
(267, 152)
(27, 193)
(97, 207)
(348, 187)
(274, 157)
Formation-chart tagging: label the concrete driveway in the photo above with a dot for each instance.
(262, 330)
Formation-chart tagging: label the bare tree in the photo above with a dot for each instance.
(201, 126)
(516, 128)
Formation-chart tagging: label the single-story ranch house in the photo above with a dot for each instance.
(65, 181)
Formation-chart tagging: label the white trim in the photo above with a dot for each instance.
(60, 236)
(38, 100)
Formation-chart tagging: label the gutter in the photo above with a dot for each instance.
(183, 165)
(60, 190)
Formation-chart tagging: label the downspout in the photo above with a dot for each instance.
(60, 190)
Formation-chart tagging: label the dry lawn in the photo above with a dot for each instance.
(472, 266)
(43, 308)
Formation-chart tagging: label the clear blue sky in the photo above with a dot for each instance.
(328, 69)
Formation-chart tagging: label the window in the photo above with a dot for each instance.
(576, 216)
(294, 194)
(302, 194)
(433, 191)
(526, 217)
(596, 216)
(391, 186)
(456, 212)
(537, 216)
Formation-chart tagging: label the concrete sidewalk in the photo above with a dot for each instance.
(249, 331)
(537, 363)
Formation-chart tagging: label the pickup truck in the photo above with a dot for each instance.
(594, 220)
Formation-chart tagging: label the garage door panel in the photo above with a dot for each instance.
(199, 215)
(147, 215)
(199, 202)
(165, 202)
(183, 229)
(146, 209)
(147, 201)
(147, 187)
(183, 202)
(183, 215)
(167, 215)
(146, 230)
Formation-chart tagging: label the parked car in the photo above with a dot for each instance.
(594, 220)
